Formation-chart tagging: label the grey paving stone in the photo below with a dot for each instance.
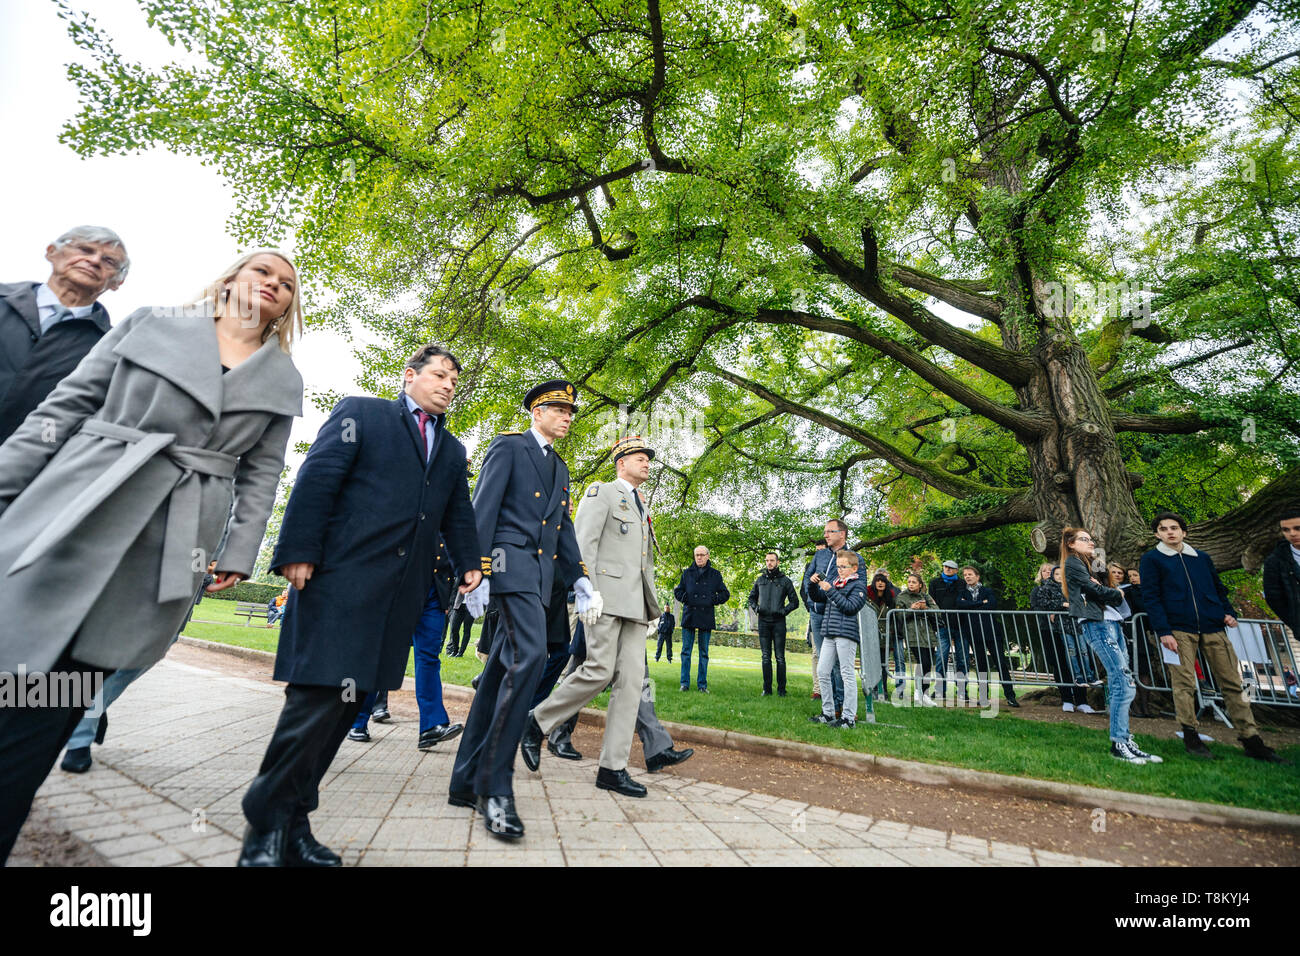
(679, 836)
(935, 856)
(605, 811)
(596, 835)
(699, 858)
(610, 858)
(162, 856)
(727, 812)
(530, 858)
(859, 856)
(123, 846)
(413, 834)
(753, 836)
(413, 858)
(780, 857)
(644, 811)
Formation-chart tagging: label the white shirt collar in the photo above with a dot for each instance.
(46, 299)
(1187, 549)
(1295, 553)
(625, 485)
(541, 439)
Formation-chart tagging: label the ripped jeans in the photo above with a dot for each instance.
(1104, 639)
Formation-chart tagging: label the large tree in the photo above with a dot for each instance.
(948, 266)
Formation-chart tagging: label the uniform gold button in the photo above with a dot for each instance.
(564, 502)
(556, 557)
(537, 494)
(539, 550)
(543, 524)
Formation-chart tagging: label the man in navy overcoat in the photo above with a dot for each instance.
(358, 543)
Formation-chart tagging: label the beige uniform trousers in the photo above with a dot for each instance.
(1227, 675)
(615, 659)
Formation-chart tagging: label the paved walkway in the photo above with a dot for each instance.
(184, 742)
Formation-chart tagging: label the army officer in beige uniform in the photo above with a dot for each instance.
(617, 544)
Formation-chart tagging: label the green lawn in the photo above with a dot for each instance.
(1005, 743)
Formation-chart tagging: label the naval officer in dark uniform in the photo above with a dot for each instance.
(521, 506)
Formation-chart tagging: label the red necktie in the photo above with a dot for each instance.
(424, 419)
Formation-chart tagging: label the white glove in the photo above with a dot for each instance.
(587, 602)
(476, 601)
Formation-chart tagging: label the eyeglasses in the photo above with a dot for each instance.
(1084, 538)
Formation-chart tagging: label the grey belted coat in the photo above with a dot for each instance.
(115, 491)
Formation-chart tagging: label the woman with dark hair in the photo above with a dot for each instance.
(116, 490)
(1088, 600)
(883, 595)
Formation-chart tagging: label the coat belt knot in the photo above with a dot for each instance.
(176, 580)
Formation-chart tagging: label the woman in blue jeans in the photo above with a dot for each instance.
(1087, 600)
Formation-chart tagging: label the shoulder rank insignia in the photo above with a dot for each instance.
(510, 433)
(593, 490)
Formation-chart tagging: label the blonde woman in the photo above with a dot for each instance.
(116, 490)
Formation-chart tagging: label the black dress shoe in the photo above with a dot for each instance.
(101, 728)
(76, 760)
(619, 782)
(263, 848)
(381, 716)
(435, 734)
(564, 749)
(462, 798)
(303, 849)
(530, 748)
(1012, 702)
(500, 818)
(666, 758)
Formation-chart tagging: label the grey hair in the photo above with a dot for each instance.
(97, 234)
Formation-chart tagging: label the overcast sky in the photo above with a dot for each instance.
(169, 210)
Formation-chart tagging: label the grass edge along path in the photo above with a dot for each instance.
(1005, 743)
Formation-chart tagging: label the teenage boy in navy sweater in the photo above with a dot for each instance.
(1188, 607)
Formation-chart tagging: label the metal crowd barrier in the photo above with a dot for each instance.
(1266, 650)
(1028, 648)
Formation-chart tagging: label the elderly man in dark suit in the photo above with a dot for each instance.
(358, 543)
(521, 504)
(46, 328)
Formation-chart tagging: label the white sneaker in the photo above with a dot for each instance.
(928, 701)
(1122, 751)
(1149, 758)
(1085, 709)
(1068, 708)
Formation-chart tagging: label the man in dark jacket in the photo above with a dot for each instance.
(772, 598)
(1282, 571)
(667, 624)
(944, 588)
(359, 545)
(46, 328)
(700, 590)
(1188, 607)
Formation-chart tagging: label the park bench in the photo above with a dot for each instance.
(249, 610)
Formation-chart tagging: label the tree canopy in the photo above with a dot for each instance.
(946, 268)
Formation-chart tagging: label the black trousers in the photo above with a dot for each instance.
(665, 638)
(312, 724)
(485, 761)
(988, 650)
(30, 741)
(1071, 693)
(771, 634)
(461, 620)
